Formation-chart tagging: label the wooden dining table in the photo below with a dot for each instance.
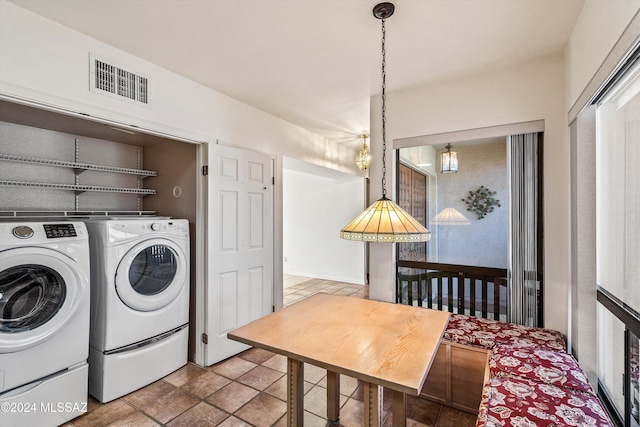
(383, 344)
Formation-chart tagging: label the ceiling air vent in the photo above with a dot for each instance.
(112, 80)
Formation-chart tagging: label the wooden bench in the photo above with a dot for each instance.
(459, 372)
(511, 375)
(457, 375)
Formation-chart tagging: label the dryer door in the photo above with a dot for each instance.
(151, 274)
(39, 295)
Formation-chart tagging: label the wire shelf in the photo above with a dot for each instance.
(74, 214)
(76, 165)
(78, 188)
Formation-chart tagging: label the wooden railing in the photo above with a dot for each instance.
(476, 291)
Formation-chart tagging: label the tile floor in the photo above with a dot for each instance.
(250, 390)
(290, 280)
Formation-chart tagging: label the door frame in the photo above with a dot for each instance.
(535, 126)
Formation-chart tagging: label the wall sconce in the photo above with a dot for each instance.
(363, 158)
(449, 160)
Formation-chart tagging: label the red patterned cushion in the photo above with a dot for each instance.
(486, 333)
(484, 403)
(519, 402)
(539, 364)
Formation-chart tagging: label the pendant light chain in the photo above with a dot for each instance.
(384, 115)
(384, 221)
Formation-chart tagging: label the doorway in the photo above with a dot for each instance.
(316, 203)
(487, 233)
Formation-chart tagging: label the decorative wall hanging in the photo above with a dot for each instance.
(481, 201)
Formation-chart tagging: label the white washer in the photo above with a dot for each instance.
(44, 322)
(139, 302)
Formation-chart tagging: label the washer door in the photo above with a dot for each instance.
(151, 274)
(39, 295)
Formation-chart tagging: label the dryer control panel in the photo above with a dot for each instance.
(120, 230)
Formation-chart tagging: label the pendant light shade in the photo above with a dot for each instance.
(449, 160)
(450, 216)
(363, 158)
(384, 221)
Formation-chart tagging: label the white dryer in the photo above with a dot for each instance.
(44, 322)
(139, 302)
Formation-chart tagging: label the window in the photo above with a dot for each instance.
(618, 239)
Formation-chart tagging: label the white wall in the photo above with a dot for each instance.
(524, 93)
(483, 242)
(596, 31)
(311, 223)
(49, 63)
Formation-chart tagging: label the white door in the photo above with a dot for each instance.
(239, 283)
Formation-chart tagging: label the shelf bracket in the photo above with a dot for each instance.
(77, 178)
(139, 165)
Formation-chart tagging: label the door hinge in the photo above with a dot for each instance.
(273, 308)
(205, 338)
(273, 180)
(205, 170)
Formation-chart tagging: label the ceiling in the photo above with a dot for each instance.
(316, 63)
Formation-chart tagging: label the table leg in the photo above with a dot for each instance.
(333, 396)
(372, 405)
(295, 393)
(399, 408)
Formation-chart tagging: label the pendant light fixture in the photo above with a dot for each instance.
(449, 160)
(450, 216)
(384, 221)
(363, 158)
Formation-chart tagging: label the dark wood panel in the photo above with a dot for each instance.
(435, 386)
(413, 197)
(467, 376)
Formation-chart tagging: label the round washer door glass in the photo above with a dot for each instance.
(30, 296)
(153, 269)
(151, 275)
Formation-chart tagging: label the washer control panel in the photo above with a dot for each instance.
(34, 233)
(54, 231)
